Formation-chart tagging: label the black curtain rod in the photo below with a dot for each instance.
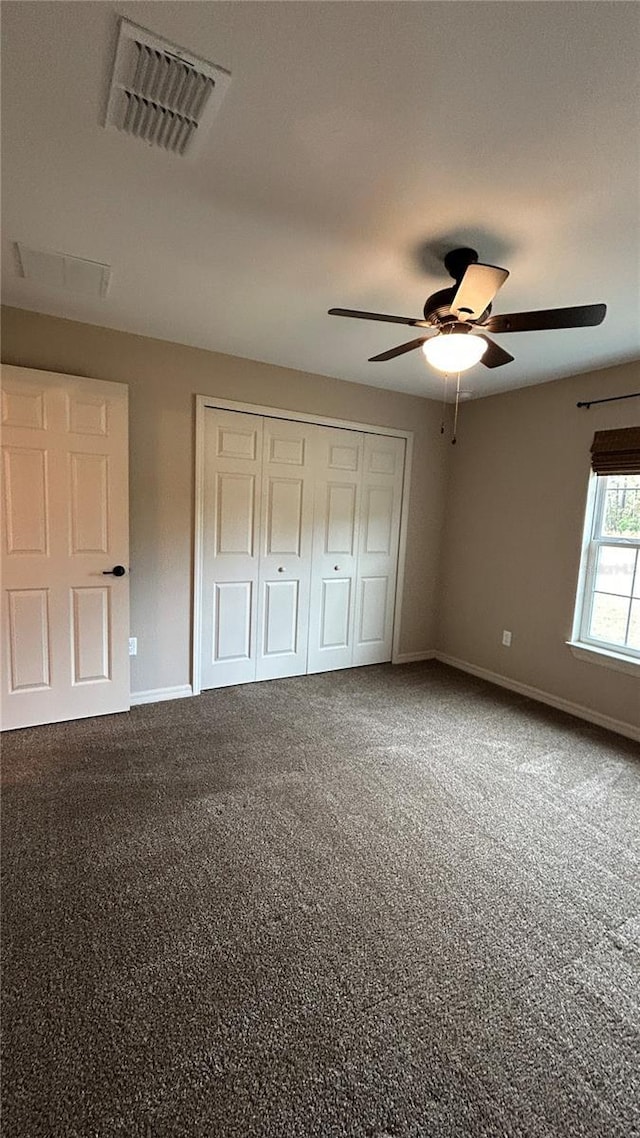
(611, 399)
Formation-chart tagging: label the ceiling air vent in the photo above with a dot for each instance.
(161, 94)
(61, 270)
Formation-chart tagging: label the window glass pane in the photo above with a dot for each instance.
(621, 516)
(615, 570)
(609, 618)
(633, 639)
(610, 569)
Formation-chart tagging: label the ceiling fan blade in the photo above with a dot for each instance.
(399, 351)
(379, 316)
(581, 316)
(495, 356)
(477, 289)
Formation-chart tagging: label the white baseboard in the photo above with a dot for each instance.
(156, 695)
(414, 657)
(617, 725)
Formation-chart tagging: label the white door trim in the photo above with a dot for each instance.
(204, 402)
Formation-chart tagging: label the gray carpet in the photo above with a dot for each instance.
(382, 902)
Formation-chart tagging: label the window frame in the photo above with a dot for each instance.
(592, 542)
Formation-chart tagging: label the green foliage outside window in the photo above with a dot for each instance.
(622, 507)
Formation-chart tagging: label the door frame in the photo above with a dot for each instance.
(211, 402)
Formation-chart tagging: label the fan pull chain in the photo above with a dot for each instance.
(444, 400)
(455, 416)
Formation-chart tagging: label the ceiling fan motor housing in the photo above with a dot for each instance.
(437, 308)
(438, 305)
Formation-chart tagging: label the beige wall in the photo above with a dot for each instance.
(163, 379)
(515, 510)
(513, 491)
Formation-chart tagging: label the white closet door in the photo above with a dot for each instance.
(382, 477)
(285, 548)
(335, 548)
(231, 493)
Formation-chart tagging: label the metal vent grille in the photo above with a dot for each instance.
(162, 95)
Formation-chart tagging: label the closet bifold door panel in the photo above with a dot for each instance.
(299, 547)
(232, 479)
(339, 461)
(379, 532)
(285, 548)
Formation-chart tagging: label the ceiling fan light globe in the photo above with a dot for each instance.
(455, 352)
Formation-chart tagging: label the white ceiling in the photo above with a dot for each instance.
(357, 140)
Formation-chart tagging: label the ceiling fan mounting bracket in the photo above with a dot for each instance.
(457, 261)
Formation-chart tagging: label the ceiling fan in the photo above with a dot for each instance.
(457, 319)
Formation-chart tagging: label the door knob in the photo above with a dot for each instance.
(281, 569)
(117, 571)
(337, 568)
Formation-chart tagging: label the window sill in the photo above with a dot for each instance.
(602, 656)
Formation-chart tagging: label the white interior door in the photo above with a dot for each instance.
(65, 500)
(231, 547)
(335, 548)
(285, 548)
(381, 503)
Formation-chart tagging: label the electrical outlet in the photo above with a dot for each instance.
(133, 645)
(506, 638)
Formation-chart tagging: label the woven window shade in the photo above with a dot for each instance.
(616, 452)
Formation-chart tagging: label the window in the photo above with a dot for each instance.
(608, 608)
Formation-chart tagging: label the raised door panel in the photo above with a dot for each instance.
(335, 615)
(232, 621)
(89, 503)
(286, 451)
(378, 517)
(232, 476)
(378, 548)
(281, 618)
(235, 441)
(285, 557)
(384, 455)
(339, 466)
(373, 609)
(340, 526)
(235, 507)
(87, 415)
(345, 455)
(91, 617)
(284, 534)
(23, 408)
(26, 500)
(29, 638)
